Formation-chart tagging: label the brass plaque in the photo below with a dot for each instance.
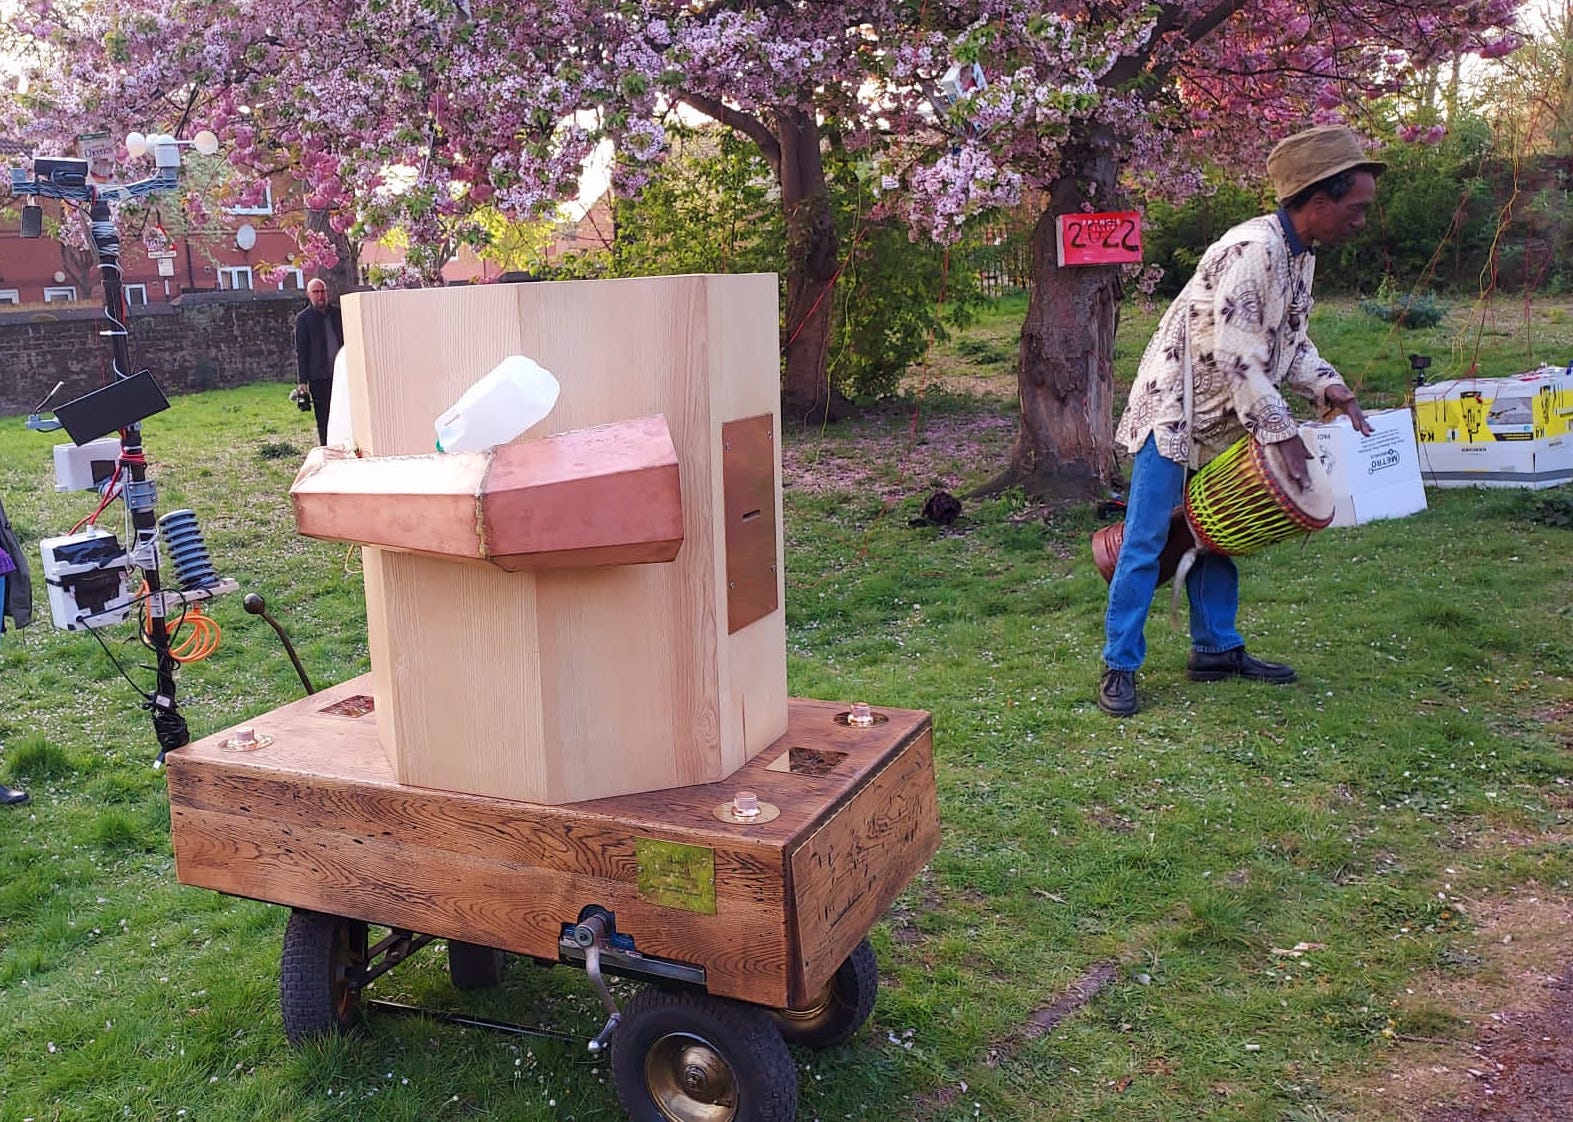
(748, 483)
(675, 875)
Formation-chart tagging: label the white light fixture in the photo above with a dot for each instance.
(205, 142)
(246, 236)
(60, 278)
(166, 152)
(136, 144)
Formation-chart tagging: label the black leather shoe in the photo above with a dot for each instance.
(10, 796)
(1205, 667)
(1117, 693)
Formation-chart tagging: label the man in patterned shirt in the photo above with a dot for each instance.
(1213, 372)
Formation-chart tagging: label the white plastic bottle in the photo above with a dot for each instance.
(515, 395)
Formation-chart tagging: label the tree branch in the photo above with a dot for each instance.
(750, 127)
(1208, 22)
(1129, 67)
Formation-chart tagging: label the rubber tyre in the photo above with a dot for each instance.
(474, 967)
(679, 1056)
(840, 1009)
(321, 954)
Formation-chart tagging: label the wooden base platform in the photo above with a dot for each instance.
(313, 818)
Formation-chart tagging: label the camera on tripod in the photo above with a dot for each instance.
(301, 396)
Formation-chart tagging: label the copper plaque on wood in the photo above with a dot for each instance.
(748, 480)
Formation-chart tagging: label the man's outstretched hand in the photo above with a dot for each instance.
(1342, 399)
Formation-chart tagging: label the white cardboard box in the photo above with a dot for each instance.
(1373, 477)
(1531, 464)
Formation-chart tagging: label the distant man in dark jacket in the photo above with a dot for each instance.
(319, 333)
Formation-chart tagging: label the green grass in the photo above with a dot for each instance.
(1412, 771)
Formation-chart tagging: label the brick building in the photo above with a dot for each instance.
(228, 254)
(224, 255)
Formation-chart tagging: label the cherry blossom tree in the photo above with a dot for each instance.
(1095, 105)
(407, 113)
(414, 113)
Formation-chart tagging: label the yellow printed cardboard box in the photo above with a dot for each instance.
(1533, 406)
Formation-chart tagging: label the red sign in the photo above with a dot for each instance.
(1099, 239)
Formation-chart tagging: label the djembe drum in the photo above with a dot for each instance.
(1241, 501)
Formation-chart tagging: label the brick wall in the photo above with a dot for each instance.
(197, 342)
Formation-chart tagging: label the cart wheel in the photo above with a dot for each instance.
(323, 957)
(474, 967)
(689, 1057)
(840, 1008)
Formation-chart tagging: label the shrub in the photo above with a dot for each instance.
(1406, 311)
(984, 352)
(1552, 510)
(714, 206)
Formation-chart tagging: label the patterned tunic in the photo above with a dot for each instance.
(1242, 317)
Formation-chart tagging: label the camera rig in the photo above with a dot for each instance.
(124, 402)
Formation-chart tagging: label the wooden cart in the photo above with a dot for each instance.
(751, 927)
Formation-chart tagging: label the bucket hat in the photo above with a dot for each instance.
(1311, 156)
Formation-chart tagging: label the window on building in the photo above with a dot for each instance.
(66, 292)
(235, 277)
(294, 280)
(136, 295)
(264, 205)
(10, 296)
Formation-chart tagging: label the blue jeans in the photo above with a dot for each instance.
(1213, 585)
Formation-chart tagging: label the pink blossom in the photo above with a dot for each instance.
(352, 97)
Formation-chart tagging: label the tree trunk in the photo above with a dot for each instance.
(345, 276)
(81, 268)
(812, 250)
(1065, 447)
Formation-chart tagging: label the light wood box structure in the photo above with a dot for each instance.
(315, 819)
(570, 684)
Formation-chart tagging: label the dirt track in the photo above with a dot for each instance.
(1513, 1059)
(1525, 1066)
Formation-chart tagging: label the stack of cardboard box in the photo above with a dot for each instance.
(1498, 432)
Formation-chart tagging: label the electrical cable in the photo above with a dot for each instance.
(203, 639)
(123, 329)
(110, 495)
(143, 694)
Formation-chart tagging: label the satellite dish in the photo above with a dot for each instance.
(246, 236)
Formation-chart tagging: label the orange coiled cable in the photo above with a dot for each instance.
(202, 640)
